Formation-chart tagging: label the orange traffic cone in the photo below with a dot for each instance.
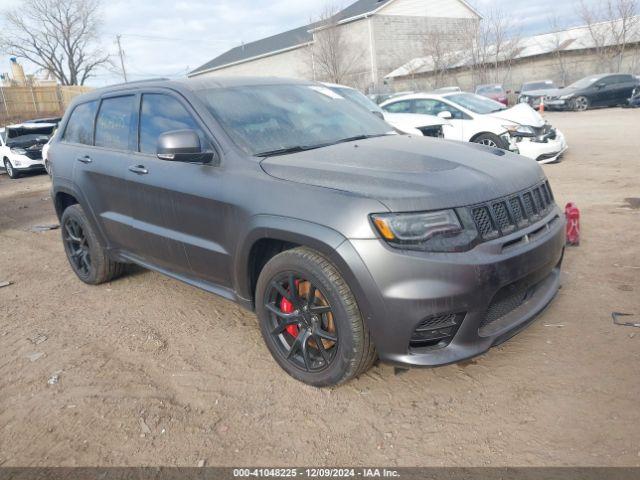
(541, 108)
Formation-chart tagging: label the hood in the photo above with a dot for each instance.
(549, 92)
(521, 114)
(410, 173)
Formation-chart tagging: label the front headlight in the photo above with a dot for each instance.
(18, 151)
(412, 228)
(519, 130)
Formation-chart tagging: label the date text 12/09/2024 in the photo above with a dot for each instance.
(315, 473)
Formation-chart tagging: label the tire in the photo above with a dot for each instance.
(580, 104)
(87, 257)
(353, 352)
(491, 140)
(11, 171)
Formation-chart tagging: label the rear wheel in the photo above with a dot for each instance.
(11, 171)
(88, 259)
(580, 104)
(491, 140)
(310, 320)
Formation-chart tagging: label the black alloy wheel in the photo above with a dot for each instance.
(77, 247)
(301, 322)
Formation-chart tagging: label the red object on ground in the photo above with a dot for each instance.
(572, 213)
(287, 307)
(541, 109)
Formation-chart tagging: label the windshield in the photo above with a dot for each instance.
(528, 87)
(490, 89)
(476, 103)
(357, 97)
(270, 118)
(20, 135)
(584, 83)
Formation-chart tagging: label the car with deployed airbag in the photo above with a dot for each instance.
(351, 242)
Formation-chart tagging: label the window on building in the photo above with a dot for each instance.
(80, 126)
(113, 125)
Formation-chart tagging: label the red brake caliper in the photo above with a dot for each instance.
(287, 307)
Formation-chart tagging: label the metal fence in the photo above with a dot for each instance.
(22, 103)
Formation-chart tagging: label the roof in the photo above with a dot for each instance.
(31, 126)
(572, 39)
(287, 40)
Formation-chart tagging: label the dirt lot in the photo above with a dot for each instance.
(154, 372)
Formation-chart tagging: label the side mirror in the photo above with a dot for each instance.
(600, 85)
(446, 115)
(182, 146)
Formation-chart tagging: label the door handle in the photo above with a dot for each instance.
(139, 169)
(85, 159)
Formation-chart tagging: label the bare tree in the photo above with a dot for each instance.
(558, 43)
(332, 56)
(440, 54)
(612, 25)
(491, 46)
(59, 36)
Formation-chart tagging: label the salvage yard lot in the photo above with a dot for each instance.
(154, 372)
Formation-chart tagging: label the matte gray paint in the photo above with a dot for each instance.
(198, 223)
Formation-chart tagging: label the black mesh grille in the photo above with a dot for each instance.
(516, 208)
(529, 209)
(34, 154)
(502, 216)
(505, 302)
(506, 215)
(436, 331)
(483, 221)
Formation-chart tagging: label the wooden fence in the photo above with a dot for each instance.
(23, 103)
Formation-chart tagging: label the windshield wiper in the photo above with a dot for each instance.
(287, 150)
(359, 137)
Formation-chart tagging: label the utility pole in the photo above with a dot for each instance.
(121, 53)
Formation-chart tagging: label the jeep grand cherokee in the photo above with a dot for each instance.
(350, 242)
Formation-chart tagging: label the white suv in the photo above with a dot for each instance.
(21, 147)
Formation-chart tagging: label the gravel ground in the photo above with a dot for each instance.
(153, 372)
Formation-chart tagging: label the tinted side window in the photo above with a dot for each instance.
(80, 125)
(159, 114)
(399, 107)
(114, 122)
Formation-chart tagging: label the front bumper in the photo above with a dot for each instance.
(404, 288)
(557, 104)
(543, 152)
(23, 163)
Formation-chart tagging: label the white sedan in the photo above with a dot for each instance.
(412, 124)
(477, 119)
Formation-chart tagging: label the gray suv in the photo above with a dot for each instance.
(350, 242)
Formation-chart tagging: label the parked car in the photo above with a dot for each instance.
(447, 90)
(425, 125)
(533, 92)
(607, 90)
(477, 119)
(494, 92)
(21, 147)
(349, 242)
(634, 101)
(45, 154)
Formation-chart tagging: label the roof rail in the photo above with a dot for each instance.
(159, 79)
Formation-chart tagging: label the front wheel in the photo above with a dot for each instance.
(310, 321)
(491, 140)
(11, 171)
(580, 104)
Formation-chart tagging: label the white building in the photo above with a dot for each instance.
(387, 33)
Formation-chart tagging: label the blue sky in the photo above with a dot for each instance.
(168, 37)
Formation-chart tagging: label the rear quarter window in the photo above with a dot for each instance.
(403, 106)
(113, 125)
(80, 125)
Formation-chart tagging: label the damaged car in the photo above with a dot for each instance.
(477, 119)
(533, 93)
(21, 147)
(411, 124)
